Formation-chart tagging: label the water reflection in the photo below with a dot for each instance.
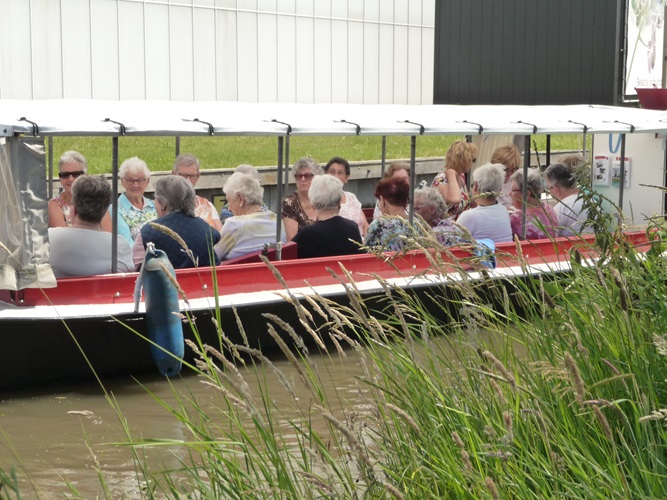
(55, 438)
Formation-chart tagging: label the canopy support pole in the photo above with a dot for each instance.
(622, 184)
(50, 186)
(114, 204)
(413, 178)
(384, 156)
(548, 150)
(177, 146)
(524, 188)
(287, 163)
(279, 208)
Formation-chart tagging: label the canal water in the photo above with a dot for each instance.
(64, 436)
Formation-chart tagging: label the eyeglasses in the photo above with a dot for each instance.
(190, 177)
(304, 177)
(419, 207)
(138, 182)
(67, 175)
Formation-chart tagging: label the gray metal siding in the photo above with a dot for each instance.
(526, 51)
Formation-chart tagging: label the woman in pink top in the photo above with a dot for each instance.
(541, 220)
(350, 207)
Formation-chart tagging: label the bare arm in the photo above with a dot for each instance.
(291, 227)
(106, 222)
(56, 216)
(450, 190)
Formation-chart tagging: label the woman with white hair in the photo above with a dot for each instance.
(541, 219)
(71, 166)
(251, 226)
(331, 234)
(134, 209)
(490, 219)
(175, 205)
(431, 206)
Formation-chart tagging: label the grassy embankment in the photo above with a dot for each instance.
(568, 401)
(228, 152)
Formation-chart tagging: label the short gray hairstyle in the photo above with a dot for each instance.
(134, 165)
(431, 196)
(245, 185)
(561, 175)
(307, 162)
(176, 194)
(325, 192)
(534, 181)
(489, 178)
(91, 197)
(73, 157)
(248, 169)
(184, 160)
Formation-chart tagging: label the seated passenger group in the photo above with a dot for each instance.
(320, 216)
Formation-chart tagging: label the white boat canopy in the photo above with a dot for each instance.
(23, 248)
(170, 118)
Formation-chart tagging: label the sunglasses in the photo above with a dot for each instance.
(67, 175)
(304, 177)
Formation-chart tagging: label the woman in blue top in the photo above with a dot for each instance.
(134, 209)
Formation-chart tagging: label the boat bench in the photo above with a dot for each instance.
(288, 253)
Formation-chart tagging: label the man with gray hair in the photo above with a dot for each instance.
(330, 234)
(187, 166)
(560, 180)
(187, 240)
(84, 249)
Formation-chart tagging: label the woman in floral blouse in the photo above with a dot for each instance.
(298, 211)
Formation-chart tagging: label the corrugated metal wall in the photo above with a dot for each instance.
(357, 51)
(526, 51)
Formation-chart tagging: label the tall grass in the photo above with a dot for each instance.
(565, 396)
(569, 399)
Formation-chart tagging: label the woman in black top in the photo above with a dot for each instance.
(331, 234)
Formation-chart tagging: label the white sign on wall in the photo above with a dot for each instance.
(644, 59)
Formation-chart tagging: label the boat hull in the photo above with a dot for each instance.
(87, 327)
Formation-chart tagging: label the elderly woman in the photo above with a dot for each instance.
(84, 248)
(251, 226)
(187, 166)
(451, 183)
(489, 219)
(298, 211)
(431, 207)
(71, 165)
(509, 157)
(134, 209)
(350, 207)
(396, 169)
(387, 231)
(245, 168)
(331, 234)
(561, 183)
(541, 220)
(175, 205)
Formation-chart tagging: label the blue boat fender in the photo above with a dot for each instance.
(486, 250)
(163, 316)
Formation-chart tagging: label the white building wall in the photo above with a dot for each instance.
(356, 51)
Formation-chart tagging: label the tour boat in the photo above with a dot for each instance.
(77, 328)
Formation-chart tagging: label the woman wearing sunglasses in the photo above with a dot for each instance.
(298, 211)
(71, 165)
